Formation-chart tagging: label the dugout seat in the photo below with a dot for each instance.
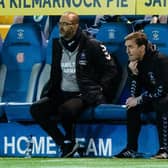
(156, 34)
(87, 21)
(43, 77)
(21, 63)
(112, 35)
(22, 59)
(45, 74)
(36, 19)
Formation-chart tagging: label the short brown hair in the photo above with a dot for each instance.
(139, 37)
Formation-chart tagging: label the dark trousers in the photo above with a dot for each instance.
(48, 113)
(160, 106)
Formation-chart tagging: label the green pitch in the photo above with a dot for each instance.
(81, 163)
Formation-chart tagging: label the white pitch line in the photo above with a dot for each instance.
(66, 166)
(131, 166)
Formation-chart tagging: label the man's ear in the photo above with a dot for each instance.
(143, 47)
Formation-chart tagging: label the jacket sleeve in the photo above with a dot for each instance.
(103, 70)
(158, 80)
(111, 73)
(134, 84)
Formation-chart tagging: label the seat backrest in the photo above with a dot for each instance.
(112, 35)
(157, 34)
(86, 21)
(54, 34)
(36, 19)
(44, 76)
(21, 62)
(45, 73)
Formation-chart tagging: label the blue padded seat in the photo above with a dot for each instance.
(54, 34)
(18, 111)
(36, 19)
(86, 21)
(157, 34)
(118, 114)
(45, 73)
(112, 35)
(21, 112)
(104, 113)
(110, 112)
(21, 63)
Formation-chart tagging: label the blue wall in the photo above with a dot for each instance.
(100, 140)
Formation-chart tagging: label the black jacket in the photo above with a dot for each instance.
(152, 81)
(96, 72)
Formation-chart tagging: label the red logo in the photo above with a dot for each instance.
(20, 57)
